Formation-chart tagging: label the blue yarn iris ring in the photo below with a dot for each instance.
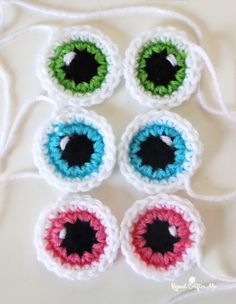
(158, 151)
(75, 151)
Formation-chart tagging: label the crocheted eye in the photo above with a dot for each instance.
(77, 238)
(75, 152)
(161, 68)
(159, 151)
(80, 67)
(161, 237)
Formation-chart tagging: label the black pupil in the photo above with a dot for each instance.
(156, 153)
(158, 237)
(82, 68)
(80, 238)
(78, 150)
(159, 69)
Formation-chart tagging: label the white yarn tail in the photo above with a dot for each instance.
(2, 18)
(224, 111)
(213, 276)
(221, 198)
(7, 105)
(18, 177)
(18, 120)
(119, 11)
(17, 34)
(8, 99)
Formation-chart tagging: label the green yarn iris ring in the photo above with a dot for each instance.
(157, 47)
(56, 64)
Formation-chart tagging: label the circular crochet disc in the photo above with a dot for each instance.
(161, 237)
(77, 238)
(81, 66)
(161, 68)
(159, 151)
(75, 150)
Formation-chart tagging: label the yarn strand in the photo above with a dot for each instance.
(212, 199)
(18, 120)
(213, 276)
(7, 105)
(224, 110)
(4, 39)
(17, 177)
(110, 12)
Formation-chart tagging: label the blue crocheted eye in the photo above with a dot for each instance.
(75, 149)
(158, 152)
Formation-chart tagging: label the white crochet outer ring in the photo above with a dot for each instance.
(57, 91)
(189, 213)
(48, 171)
(103, 213)
(193, 62)
(192, 141)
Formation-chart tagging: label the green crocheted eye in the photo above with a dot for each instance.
(161, 67)
(79, 66)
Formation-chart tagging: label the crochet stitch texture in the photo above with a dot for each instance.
(180, 222)
(175, 68)
(58, 150)
(68, 49)
(144, 169)
(63, 258)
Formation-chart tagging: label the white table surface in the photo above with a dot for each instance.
(22, 278)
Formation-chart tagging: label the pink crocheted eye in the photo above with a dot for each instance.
(77, 238)
(161, 236)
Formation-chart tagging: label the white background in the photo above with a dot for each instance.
(22, 278)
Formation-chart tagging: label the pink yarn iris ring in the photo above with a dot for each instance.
(77, 238)
(161, 236)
